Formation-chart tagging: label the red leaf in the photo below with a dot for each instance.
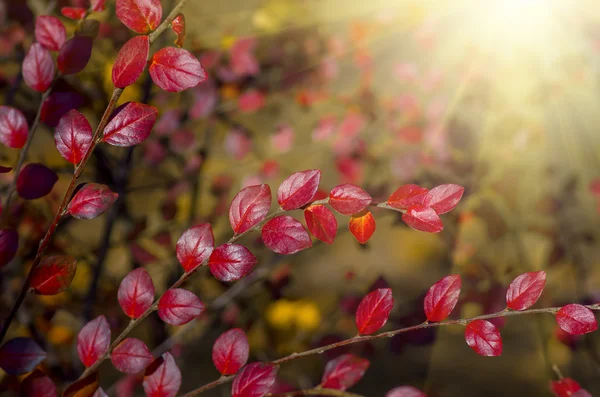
(362, 226)
(136, 292)
(131, 61)
(251, 101)
(195, 246)
(178, 26)
(405, 391)
(13, 127)
(5, 170)
(565, 387)
(230, 351)
(285, 235)
(38, 68)
(162, 377)
(175, 69)
(57, 104)
(525, 290)
(483, 337)
(141, 16)
(230, 262)
(179, 306)
(344, 372)
(406, 196)
(298, 189)
(582, 393)
(50, 32)
(20, 355)
(349, 199)
(53, 275)
(98, 5)
(443, 198)
(91, 201)
(9, 244)
(75, 54)
(374, 311)
(73, 136)
(131, 356)
(93, 340)
(37, 384)
(422, 218)
(249, 207)
(442, 297)
(75, 13)
(130, 125)
(35, 181)
(254, 380)
(321, 222)
(576, 319)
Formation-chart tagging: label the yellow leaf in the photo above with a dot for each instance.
(60, 335)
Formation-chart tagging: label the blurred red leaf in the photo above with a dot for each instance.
(75, 13)
(230, 351)
(362, 226)
(91, 201)
(131, 61)
(374, 311)
(230, 262)
(73, 136)
(9, 244)
(422, 218)
(131, 356)
(443, 198)
(525, 290)
(483, 337)
(141, 16)
(57, 104)
(254, 380)
(136, 292)
(175, 69)
(442, 297)
(178, 306)
(405, 391)
(130, 125)
(50, 32)
(249, 207)
(285, 235)
(38, 68)
(298, 189)
(98, 5)
(321, 222)
(5, 170)
(13, 127)
(53, 275)
(162, 377)
(576, 319)
(407, 196)
(564, 387)
(349, 199)
(343, 372)
(195, 246)
(37, 384)
(178, 26)
(251, 101)
(20, 355)
(582, 393)
(93, 340)
(75, 54)
(35, 180)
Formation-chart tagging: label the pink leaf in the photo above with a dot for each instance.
(525, 290)
(162, 378)
(75, 54)
(141, 16)
(136, 293)
(285, 235)
(131, 61)
(349, 199)
(98, 5)
(483, 337)
(405, 391)
(130, 125)
(230, 351)
(237, 143)
(374, 311)
(20, 355)
(179, 306)
(38, 68)
(175, 69)
(422, 218)
(442, 297)
(344, 372)
(362, 226)
(230, 262)
(251, 101)
(195, 246)
(93, 340)
(249, 207)
(91, 201)
(321, 222)
(50, 32)
(443, 198)
(131, 356)
(35, 181)
(298, 189)
(254, 380)
(576, 319)
(407, 196)
(73, 136)
(13, 127)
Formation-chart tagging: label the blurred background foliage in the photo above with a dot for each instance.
(500, 96)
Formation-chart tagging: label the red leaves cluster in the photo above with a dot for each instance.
(93, 340)
(91, 201)
(136, 293)
(230, 351)
(344, 372)
(53, 275)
